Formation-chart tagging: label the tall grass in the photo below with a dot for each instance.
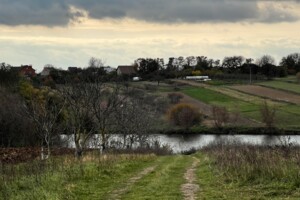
(65, 177)
(258, 164)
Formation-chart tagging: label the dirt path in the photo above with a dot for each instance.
(189, 188)
(116, 194)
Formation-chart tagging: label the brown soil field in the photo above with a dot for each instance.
(268, 93)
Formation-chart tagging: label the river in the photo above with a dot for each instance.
(179, 143)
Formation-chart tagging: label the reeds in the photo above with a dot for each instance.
(252, 163)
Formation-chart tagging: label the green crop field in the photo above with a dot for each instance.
(287, 79)
(287, 115)
(286, 86)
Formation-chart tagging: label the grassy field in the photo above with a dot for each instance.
(222, 173)
(248, 172)
(281, 85)
(248, 105)
(290, 79)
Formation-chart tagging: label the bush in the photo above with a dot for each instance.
(175, 97)
(220, 115)
(298, 77)
(268, 114)
(184, 115)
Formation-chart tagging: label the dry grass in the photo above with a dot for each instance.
(249, 163)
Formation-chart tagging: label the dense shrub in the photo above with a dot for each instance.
(184, 115)
(220, 115)
(298, 77)
(250, 163)
(175, 97)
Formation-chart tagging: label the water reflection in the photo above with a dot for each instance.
(179, 143)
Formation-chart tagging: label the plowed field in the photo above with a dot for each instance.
(268, 93)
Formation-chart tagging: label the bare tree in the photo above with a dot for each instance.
(104, 99)
(268, 114)
(80, 119)
(95, 62)
(220, 116)
(265, 59)
(135, 118)
(45, 110)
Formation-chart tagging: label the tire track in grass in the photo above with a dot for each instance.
(164, 182)
(190, 189)
(117, 194)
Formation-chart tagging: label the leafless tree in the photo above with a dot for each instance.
(220, 116)
(136, 117)
(80, 121)
(268, 114)
(95, 62)
(104, 99)
(45, 111)
(265, 59)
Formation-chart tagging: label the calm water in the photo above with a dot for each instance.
(180, 143)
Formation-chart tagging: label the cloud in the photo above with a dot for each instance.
(61, 12)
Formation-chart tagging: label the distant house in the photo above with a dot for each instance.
(125, 70)
(46, 71)
(25, 70)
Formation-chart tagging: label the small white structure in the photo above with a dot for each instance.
(136, 78)
(198, 78)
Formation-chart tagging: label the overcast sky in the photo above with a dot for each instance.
(68, 32)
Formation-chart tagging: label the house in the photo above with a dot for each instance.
(25, 70)
(125, 70)
(46, 71)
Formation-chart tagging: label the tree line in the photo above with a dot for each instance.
(230, 66)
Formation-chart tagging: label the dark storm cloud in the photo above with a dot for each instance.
(58, 12)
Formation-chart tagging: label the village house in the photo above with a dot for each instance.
(46, 71)
(25, 70)
(125, 70)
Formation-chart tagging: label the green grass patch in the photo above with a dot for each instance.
(215, 98)
(73, 179)
(164, 182)
(287, 115)
(290, 87)
(287, 79)
(219, 183)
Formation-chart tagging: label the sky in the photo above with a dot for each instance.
(69, 32)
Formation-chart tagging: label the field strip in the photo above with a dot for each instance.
(283, 86)
(189, 188)
(206, 109)
(245, 96)
(273, 94)
(116, 194)
(235, 93)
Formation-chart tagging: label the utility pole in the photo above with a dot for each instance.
(249, 61)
